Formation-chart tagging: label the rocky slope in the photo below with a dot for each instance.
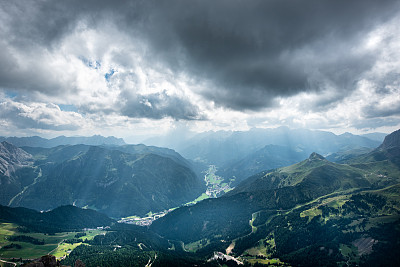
(12, 158)
(16, 171)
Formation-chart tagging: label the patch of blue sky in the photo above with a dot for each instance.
(109, 74)
(68, 108)
(10, 94)
(94, 64)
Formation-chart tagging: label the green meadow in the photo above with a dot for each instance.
(53, 244)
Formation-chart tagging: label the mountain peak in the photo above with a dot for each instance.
(315, 156)
(391, 140)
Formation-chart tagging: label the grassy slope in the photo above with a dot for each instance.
(347, 212)
(53, 243)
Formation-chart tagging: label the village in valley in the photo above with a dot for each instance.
(215, 188)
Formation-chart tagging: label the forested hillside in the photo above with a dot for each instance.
(119, 181)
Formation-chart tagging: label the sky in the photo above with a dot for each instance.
(142, 68)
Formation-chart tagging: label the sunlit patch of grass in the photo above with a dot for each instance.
(194, 246)
(275, 262)
(256, 251)
(311, 213)
(6, 229)
(27, 250)
(64, 249)
(202, 197)
(131, 217)
(32, 251)
(337, 203)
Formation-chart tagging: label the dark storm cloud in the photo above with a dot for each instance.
(246, 53)
(46, 22)
(377, 111)
(158, 106)
(386, 102)
(253, 51)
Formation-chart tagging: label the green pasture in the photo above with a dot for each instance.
(53, 243)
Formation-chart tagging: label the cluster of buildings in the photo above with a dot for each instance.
(217, 190)
(145, 221)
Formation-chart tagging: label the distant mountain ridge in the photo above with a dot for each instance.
(119, 181)
(268, 157)
(36, 141)
(387, 153)
(347, 154)
(284, 147)
(375, 136)
(222, 148)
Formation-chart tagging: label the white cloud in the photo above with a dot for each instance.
(39, 116)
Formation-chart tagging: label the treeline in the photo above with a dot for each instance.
(132, 245)
(75, 240)
(222, 218)
(81, 234)
(12, 245)
(28, 239)
(385, 251)
(97, 255)
(303, 242)
(108, 256)
(132, 235)
(61, 219)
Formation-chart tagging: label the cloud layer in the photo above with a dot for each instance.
(232, 64)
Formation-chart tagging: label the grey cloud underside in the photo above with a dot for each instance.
(376, 123)
(254, 51)
(247, 53)
(374, 111)
(158, 106)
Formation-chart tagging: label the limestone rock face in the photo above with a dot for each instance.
(16, 171)
(11, 158)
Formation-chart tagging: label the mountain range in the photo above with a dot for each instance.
(266, 158)
(227, 147)
(240, 154)
(119, 181)
(336, 206)
(283, 188)
(301, 210)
